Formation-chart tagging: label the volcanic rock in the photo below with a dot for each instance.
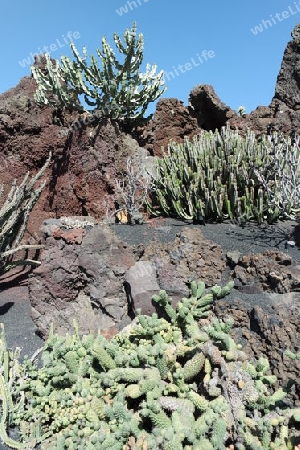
(207, 108)
(79, 280)
(270, 271)
(190, 257)
(171, 122)
(267, 326)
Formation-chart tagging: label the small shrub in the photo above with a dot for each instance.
(14, 216)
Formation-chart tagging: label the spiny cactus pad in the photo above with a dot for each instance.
(164, 384)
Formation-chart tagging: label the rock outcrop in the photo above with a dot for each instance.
(207, 108)
(86, 158)
(286, 101)
(80, 278)
(270, 271)
(89, 155)
(171, 122)
(210, 113)
(283, 113)
(89, 274)
(189, 257)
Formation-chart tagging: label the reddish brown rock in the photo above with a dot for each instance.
(85, 162)
(73, 236)
(171, 122)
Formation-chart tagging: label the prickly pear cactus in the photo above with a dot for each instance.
(164, 384)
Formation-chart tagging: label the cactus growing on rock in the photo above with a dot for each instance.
(118, 90)
(165, 383)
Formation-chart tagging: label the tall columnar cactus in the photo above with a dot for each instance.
(281, 177)
(14, 216)
(224, 175)
(166, 384)
(117, 89)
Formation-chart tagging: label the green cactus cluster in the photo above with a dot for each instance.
(223, 175)
(165, 383)
(117, 89)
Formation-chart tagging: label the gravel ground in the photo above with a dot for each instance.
(20, 331)
(248, 239)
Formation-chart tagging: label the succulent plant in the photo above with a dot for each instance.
(223, 175)
(117, 89)
(166, 383)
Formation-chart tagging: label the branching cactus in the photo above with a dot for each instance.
(118, 88)
(220, 176)
(281, 178)
(14, 216)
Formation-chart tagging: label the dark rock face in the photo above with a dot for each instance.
(208, 109)
(288, 80)
(286, 101)
(283, 114)
(80, 278)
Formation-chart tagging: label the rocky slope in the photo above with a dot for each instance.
(88, 156)
(81, 181)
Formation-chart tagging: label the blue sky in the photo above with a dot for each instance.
(243, 42)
